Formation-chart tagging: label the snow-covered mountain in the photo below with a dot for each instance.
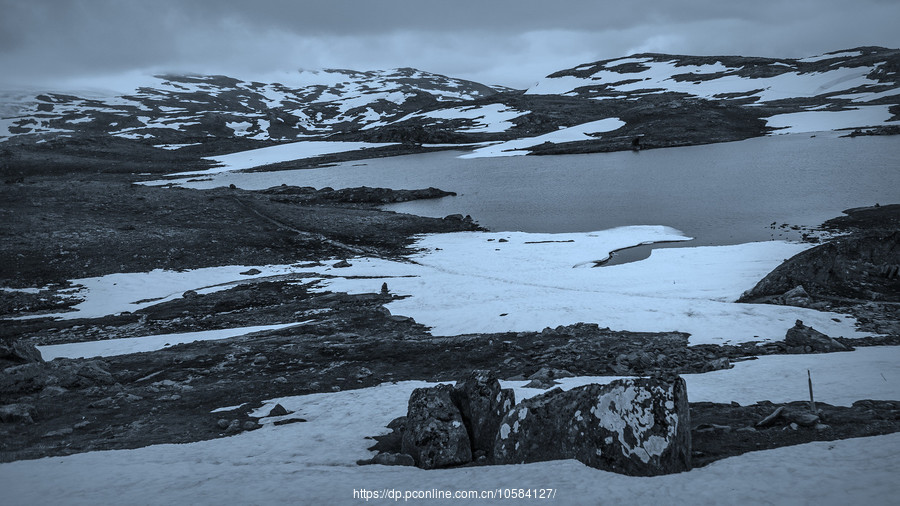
(174, 109)
(843, 89)
(653, 100)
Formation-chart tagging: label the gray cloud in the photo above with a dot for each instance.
(503, 42)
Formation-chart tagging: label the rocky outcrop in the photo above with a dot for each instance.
(637, 427)
(18, 352)
(803, 339)
(849, 267)
(36, 376)
(17, 413)
(435, 435)
(482, 404)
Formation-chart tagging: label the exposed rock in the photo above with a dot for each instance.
(638, 427)
(234, 427)
(222, 423)
(342, 264)
(546, 377)
(797, 296)
(105, 403)
(18, 352)
(251, 272)
(801, 418)
(69, 374)
(846, 266)
(435, 435)
(712, 427)
(808, 339)
(250, 425)
(482, 404)
(394, 459)
(769, 420)
(17, 413)
(60, 432)
(278, 410)
(52, 391)
(542, 384)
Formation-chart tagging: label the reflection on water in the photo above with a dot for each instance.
(719, 194)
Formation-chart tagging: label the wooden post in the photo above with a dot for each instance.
(812, 403)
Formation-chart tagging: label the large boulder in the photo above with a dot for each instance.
(18, 352)
(807, 339)
(639, 427)
(17, 413)
(482, 404)
(70, 374)
(435, 434)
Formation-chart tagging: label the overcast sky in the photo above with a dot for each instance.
(508, 42)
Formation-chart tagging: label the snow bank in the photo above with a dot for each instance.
(126, 345)
(818, 121)
(131, 291)
(281, 153)
(473, 282)
(490, 118)
(314, 462)
(575, 133)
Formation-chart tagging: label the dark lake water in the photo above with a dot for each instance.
(719, 194)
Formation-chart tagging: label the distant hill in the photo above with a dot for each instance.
(647, 100)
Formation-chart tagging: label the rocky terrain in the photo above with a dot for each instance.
(70, 210)
(92, 221)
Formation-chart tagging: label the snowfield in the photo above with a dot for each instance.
(820, 121)
(485, 282)
(517, 147)
(658, 77)
(314, 462)
(127, 345)
(281, 153)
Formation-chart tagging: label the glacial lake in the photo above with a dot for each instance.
(726, 193)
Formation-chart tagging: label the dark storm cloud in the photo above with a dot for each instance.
(508, 42)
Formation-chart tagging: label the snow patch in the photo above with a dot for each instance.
(818, 121)
(575, 133)
(123, 346)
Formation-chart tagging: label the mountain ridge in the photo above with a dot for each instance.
(660, 99)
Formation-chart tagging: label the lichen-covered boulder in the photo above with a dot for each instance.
(482, 404)
(435, 435)
(807, 339)
(639, 427)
